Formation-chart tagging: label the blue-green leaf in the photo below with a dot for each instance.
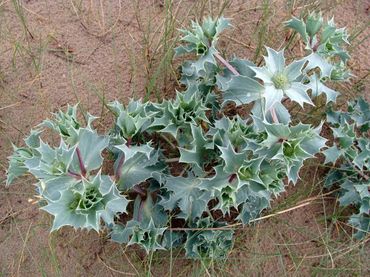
(187, 195)
(85, 204)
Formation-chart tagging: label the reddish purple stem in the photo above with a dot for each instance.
(119, 167)
(139, 190)
(74, 175)
(82, 166)
(226, 63)
(232, 177)
(128, 143)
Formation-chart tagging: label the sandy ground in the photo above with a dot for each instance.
(72, 51)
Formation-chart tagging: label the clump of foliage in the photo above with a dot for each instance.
(325, 43)
(351, 149)
(182, 164)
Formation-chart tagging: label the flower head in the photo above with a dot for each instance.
(280, 80)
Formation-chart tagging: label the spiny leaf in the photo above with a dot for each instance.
(208, 244)
(20, 155)
(88, 154)
(86, 203)
(253, 204)
(361, 223)
(201, 40)
(240, 89)
(291, 145)
(132, 119)
(317, 88)
(135, 164)
(176, 117)
(200, 152)
(325, 42)
(353, 147)
(187, 195)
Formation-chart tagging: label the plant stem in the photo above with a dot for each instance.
(226, 63)
(81, 164)
(274, 116)
(139, 190)
(129, 141)
(119, 167)
(74, 175)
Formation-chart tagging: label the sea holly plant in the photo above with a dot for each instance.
(326, 47)
(208, 243)
(201, 40)
(176, 117)
(350, 153)
(181, 172)
(326, 44)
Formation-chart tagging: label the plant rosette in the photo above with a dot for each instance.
(182, 167)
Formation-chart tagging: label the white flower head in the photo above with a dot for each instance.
(280, 80)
